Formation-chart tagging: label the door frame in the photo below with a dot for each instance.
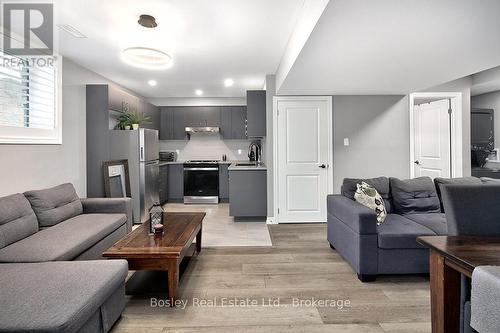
(456, 131)
(276, 171)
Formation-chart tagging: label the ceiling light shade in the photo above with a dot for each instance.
(152, 83)
(147, 58)
(228, 82)
(198, 92)
(147, 21)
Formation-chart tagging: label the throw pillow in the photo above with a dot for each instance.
(368, 196)
(55, 204)
(417, 195)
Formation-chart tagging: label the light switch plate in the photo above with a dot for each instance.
(346, 141)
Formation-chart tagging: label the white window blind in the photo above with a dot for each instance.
(27, 94)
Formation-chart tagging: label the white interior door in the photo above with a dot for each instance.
(432, 139)
(303, 143)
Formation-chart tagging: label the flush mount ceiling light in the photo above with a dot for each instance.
(228, 82)
(198, 92)
(152, 83)
(147, 21)
(147, 58)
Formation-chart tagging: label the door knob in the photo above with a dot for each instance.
(417, 162)
(322, 166)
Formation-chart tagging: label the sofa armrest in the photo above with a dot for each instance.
(359, 218)
(109, 206)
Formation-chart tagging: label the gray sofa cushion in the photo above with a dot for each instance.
(444, 181)
(381, 184)
(434, 221)
(485, 299)
(64, 241)
(416, 195)
(55, 204)
(398, 232)
(17, 219)
(56, 296)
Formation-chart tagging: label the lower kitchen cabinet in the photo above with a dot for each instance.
(175, 182)
(247, 193)
(163, 186)
(223, 182)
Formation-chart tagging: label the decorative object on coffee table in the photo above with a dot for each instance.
(161, 253)
(155, 217)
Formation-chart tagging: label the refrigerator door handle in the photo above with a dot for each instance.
(142, 154)
(152, 162)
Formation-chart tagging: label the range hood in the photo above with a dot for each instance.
(202, 129)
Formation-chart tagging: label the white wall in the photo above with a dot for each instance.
(378, 131)
(28, 167)
(207, 147)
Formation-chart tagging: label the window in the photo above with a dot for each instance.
(29, 108)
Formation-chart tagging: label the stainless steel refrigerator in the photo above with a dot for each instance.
(141, 149)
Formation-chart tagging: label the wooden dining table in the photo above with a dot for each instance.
(451, 256)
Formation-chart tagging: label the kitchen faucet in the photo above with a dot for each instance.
(254, 152)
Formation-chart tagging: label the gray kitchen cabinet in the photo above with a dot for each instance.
(256, 113)
(247, 193)
(233, 122)
(182, 118)
(239, 123)
(166, 123)
(122, 101)
(163, 184)
(225, 122)
(153, 113)
(175, 182)
(208, 116)
(223, 182)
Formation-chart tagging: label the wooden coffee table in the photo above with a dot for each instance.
(161, 253)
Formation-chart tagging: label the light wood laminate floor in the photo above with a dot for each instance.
(300, 264)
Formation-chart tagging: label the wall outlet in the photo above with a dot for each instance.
(346, 142)
(239, 151)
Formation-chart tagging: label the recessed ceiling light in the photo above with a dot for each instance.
(228, 82)
(198, 92)
(152, 83)
(147, 58)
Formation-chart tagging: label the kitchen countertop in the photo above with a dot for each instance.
(234, 167)
(163, 163)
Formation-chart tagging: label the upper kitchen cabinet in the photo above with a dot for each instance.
(207, 116)
(122, 101)
(233, 122)
(166, 123)
(153, 112)
(256, 113)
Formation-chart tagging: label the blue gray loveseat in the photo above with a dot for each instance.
(50, 278)
(414, 209)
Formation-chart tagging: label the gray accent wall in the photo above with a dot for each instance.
(27, 167)
(378, 129)
(267, 142)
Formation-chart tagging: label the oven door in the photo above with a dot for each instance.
(201, 184)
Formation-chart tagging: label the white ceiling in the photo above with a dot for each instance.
(395, 46)
(209, 41)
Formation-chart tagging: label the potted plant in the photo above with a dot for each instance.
(123, 122)
(136, 118)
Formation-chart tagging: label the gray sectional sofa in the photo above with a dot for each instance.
(414, 209)
(51, 278)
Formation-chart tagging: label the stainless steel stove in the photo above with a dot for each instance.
(201, 182)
